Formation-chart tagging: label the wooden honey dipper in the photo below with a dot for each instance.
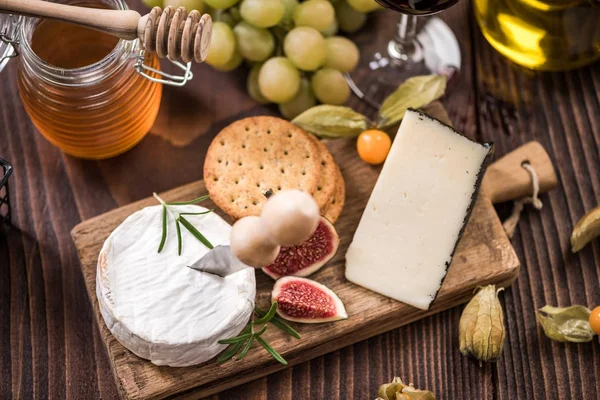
(171, 33)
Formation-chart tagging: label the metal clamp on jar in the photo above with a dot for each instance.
(91, 101)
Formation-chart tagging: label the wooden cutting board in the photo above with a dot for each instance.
(484, 256)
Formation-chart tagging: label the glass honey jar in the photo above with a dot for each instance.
(90, 94)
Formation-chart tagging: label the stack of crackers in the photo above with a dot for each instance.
(255, 154)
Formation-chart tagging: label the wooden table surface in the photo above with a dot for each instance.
(49, 345)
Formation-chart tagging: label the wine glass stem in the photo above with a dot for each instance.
(403, 44)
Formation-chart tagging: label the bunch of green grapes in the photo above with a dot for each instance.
(296, 58)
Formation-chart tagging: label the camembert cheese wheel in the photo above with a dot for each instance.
(159, 308)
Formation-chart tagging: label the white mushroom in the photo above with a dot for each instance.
(250, 243)
(290, 217)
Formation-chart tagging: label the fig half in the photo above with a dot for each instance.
(307, 257)
(307, 301)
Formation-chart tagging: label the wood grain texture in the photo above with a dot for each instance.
(484, 256)
(50, 348)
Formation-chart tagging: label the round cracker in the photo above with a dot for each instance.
(336, 205)
(255, 154)
(327, 178)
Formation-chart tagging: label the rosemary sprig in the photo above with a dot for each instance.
(244, 341)
(278, 322)
(187, 203)
(199, 213)
(245, 350)
(230, 352)
(163, 239)
(234, 348)
(268, 316)
(236, 338)
(192, 229)
(179, 241)
(181, 220)
(271, 350)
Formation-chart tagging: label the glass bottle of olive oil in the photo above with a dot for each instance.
(548, 35)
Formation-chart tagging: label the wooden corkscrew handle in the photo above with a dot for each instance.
(171, 33)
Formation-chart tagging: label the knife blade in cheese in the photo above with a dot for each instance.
(417, 211)
(159, 308)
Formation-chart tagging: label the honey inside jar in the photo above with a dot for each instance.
(77, 47)
(80, 88)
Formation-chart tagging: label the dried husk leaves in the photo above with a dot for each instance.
(586, 230)
(570, 324)
(416, 92)
(332, 121)
(481, 328)
(328, 121)
(398, 390)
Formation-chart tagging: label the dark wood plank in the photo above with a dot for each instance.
(492, 99)
(562, 111)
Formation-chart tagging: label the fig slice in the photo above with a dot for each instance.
(307, 257)
(304, 300)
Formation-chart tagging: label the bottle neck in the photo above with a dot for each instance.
(87, 75)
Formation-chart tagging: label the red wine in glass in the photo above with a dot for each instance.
(417, 7)
(407, 54)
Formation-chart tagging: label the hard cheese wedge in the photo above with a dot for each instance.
(417, 212)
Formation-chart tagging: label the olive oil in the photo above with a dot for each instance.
(546, 35)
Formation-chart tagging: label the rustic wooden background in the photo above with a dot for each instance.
(50, 348)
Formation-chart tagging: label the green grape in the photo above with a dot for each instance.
(252, 86)
(254, 44)
(348, 18)
(262, 13)
(289, 6)
(223, 16)
(364, 5)
(232, 64)
(279, 80)
(222, 46)
(335, 1)
(305, 47)
(332, 30)
(189, 5)
(235, 13)
(303, 100)
(221, 4)
(330, 87)
(342, 54)
(318, 14)
(153, 3)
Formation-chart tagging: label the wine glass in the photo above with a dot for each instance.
(434, 50)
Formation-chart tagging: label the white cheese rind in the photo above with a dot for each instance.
(159, 308)
(414, 218)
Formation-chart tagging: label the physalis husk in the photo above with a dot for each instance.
(398, 390)
(569, 324)
(586, 230)
(481, 328)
